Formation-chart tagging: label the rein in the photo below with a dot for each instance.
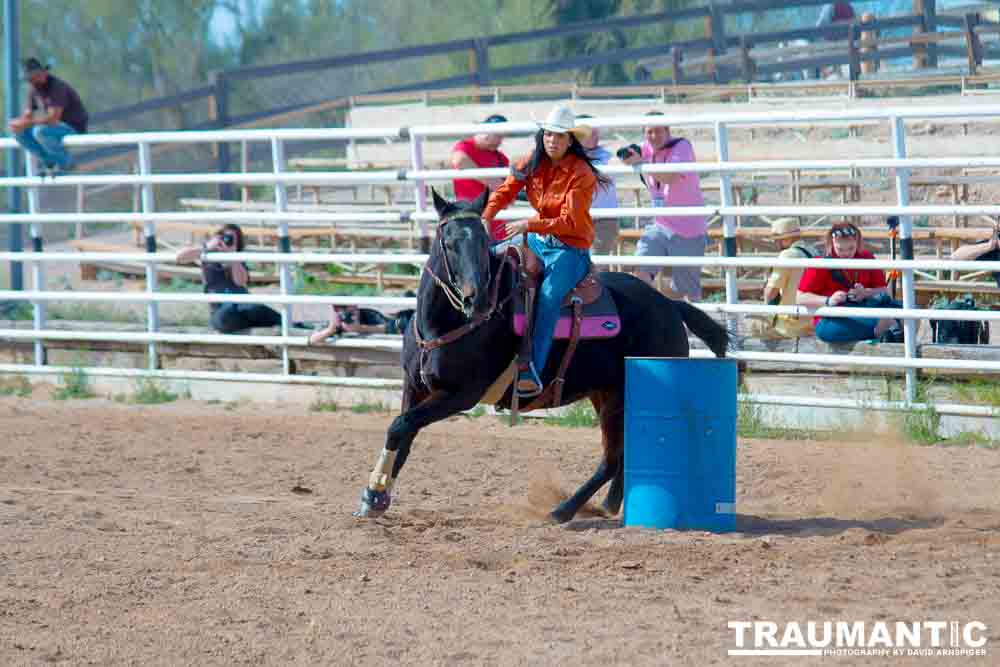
(453, 294)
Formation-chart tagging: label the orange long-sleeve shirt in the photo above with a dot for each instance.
(560, 194)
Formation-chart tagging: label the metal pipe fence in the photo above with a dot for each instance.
(419, 177)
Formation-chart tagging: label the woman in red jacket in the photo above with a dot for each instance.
(560, 181)
(847, 287)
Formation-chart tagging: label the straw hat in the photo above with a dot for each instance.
(562, 120)
(783, 227)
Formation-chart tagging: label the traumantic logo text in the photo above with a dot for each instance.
(858, 638)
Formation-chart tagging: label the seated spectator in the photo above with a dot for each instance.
(782, 284)
(361, 321)
(228, 278)
(862, 288)
(481, 151)
(54, 111)
(987, 250)
(605, 196)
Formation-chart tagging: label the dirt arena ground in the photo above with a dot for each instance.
(199, 534)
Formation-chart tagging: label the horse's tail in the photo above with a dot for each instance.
(704, 327)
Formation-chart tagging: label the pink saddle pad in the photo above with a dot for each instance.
(600, 320)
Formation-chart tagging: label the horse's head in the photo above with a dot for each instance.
(460, 255)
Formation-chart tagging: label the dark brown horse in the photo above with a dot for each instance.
(461, 340)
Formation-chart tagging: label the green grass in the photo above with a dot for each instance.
(311, 285)
(980, 391)
(922, 427)
(149, 392)
(970, 438)
(715, 297)
(90, 312)
(20, 311)
(476, 412)
(73, 385)
(579, 415)
(404, 269)
(15, 386)
(323, 403)
(750, 423)
(181, 285)
(189, 317)
(366, 408)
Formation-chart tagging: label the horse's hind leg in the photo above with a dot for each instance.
(613, 439)
(608, 405)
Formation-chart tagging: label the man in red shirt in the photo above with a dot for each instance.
(481, 151)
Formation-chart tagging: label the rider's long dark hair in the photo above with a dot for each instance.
(539, 154)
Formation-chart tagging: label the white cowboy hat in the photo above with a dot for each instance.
(561, 119)
(782, 227)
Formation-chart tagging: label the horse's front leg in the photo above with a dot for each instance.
(426, 409)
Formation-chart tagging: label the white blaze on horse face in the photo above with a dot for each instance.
(467, 287)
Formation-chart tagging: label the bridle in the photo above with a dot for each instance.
(454, 295)
(449, 286)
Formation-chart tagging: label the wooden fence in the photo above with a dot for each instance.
(715, 58)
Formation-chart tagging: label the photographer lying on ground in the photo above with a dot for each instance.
(861, 288)
(228, 278)
(357, 320)
(987, 250)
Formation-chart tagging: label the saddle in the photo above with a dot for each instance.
(599, 317)
(587, 312)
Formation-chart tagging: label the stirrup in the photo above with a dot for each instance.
(528, 382)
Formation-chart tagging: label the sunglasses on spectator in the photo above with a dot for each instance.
(844, 231)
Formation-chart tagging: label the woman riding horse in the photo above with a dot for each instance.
(560, 181)
(461, 341)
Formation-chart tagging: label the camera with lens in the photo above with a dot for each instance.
(229, 239)
(625, 151)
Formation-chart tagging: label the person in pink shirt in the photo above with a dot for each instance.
(478, 152)
(672, 235)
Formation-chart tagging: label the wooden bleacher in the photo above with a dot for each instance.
(88, 270)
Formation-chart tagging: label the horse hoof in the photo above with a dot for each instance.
(373, 504)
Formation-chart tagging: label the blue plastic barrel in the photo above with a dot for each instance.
(680, 443)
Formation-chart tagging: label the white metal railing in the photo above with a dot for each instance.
(280, 178)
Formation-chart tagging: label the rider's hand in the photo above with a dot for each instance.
(514, 227)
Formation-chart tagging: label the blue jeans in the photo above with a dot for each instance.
(46, 141)
(852, 329)
(565, 266)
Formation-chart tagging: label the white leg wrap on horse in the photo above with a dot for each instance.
(381, 477)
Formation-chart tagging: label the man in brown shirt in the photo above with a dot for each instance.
(54, 111)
